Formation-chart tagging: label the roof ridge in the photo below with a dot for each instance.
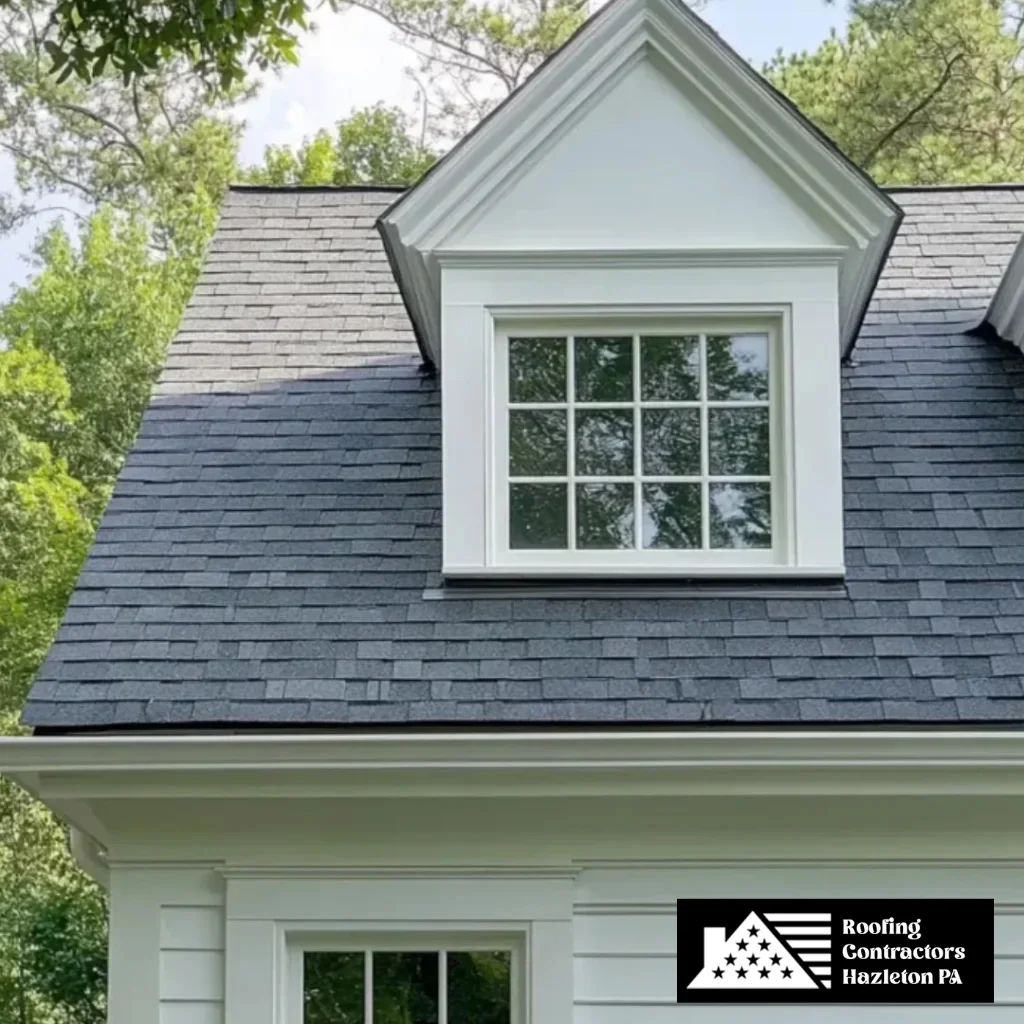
(245, 187)
(980, 186)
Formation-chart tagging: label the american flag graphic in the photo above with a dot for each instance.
(772, 951)
(809, 936)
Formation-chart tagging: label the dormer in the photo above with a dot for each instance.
(638, 277)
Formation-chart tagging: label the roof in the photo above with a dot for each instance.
(270, 555)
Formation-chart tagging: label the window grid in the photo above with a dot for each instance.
(703, 403)
(442, 985)
(570, 433)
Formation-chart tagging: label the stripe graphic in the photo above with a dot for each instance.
(808, 937)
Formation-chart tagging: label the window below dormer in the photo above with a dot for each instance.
(643, 445)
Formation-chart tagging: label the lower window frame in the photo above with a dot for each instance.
(451, 937)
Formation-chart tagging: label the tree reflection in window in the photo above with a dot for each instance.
(659, 441)
(406, 988)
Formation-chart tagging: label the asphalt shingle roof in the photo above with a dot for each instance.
(271, 552)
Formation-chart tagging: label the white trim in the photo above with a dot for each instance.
(798, 308)
(719, 257)
(560, 762)
(845, 202)
(90, 856)
(636, 559)
(1006, 311)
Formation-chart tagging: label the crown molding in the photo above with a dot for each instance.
(641, 258)
(727, 762)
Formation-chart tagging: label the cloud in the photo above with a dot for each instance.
(351, 61)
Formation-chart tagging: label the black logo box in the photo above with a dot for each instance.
(966, 923)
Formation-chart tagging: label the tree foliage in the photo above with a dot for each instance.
(147, 148)
(919, 91)
(140, 170)
(371, 146)
(138, 38)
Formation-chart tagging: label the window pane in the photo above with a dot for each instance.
(671, 442)
(538, 516)
(333, 990)
(604, 369)
(741, 516)
(604, 442)
(672, 516)
(670, 369)
(604, 516)
(738, 442)
(405, 988)
(536, 370)
(479, 988)
(738, 367)
(537, 443)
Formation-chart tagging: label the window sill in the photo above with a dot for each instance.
(623, 585)
(622, 570)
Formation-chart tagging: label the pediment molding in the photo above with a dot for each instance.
(488, 163)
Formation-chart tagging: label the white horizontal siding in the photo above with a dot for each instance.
(192, 928)
(624, 937)
(191, 1013)
(672, 1014)
(643, 979)
(191, 965)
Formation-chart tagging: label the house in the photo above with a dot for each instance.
(632, 511)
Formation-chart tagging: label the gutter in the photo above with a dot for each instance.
(552, 751)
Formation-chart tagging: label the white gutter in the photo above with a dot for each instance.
(554, 753)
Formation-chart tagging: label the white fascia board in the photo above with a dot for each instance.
(862, 218)
(1006, 312)
(555, 763)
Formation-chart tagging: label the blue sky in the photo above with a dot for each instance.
(353, 61)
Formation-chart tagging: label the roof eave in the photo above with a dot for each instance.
(549, 763)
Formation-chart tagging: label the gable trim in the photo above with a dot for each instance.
(794, 152)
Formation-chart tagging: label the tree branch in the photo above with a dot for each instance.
(868, 158)
(100, 119)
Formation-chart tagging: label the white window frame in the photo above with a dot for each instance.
(773, 323)
(271, 915)
(453, 939)
(798, 290)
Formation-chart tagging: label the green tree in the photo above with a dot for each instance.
(44, 525)
(143, 149)
(137, 38)
(104, 310)
(53, 927)
(371, 146)
(919, 91)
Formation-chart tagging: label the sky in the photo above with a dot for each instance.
(353, 61)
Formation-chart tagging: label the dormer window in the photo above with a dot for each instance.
(653, 445)
(640, 356)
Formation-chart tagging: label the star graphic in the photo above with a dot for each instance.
(776, 959)
(763, 972)
(787, 973)
(763, 944)
(752, 960)
(719, 972)
(753, 931)
(741, 973)
(730, 959)
(742, 944)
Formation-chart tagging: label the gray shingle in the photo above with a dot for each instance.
(265, 555)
